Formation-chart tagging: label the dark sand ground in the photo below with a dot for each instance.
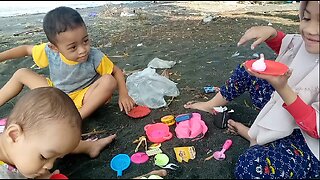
(171, 31)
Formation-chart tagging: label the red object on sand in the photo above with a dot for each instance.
(58, 176)
(139, 112)
(273, 67)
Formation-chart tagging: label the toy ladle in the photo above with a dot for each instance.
(219, 155)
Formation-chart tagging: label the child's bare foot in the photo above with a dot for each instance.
(96, 146)
(237, 128)
(202, 106)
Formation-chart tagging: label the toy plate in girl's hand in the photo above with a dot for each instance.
(273, 67)
(139, 112)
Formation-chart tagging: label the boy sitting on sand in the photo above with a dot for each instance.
(83, 72)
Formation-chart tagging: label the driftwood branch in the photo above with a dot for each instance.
(94, 132)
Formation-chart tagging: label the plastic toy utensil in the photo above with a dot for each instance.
(171, 166)
(59, 176)
(219, 155)
(119, 163)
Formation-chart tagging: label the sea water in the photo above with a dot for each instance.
(14, 8)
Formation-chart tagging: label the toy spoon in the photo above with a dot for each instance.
(219, 155)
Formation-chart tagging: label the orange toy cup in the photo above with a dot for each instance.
(158, 133)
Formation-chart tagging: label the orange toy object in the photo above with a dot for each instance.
(273, 67)
(168, 120)
(139, 112)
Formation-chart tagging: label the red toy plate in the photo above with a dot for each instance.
(273, 67)
(139, 112)
(59, 176)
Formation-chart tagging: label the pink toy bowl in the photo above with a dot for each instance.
(158, 132)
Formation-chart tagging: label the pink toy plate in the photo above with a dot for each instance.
(273, 67)
(158, 132)
(139, 158)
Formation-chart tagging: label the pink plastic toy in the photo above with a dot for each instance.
(219, 155)
(191, 128)
(139, 158)
(158, 132)
(58, 176)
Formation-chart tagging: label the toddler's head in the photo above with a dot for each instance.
(67, 33)
(309, 25)
(44, 125)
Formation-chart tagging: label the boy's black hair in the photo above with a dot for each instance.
(60, 20)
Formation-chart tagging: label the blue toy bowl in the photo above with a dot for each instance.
(119, 163)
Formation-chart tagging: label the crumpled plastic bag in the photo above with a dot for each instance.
(148, 88)
(160, 63)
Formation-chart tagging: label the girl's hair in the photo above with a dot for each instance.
(42, 107)
(61, 19)
(302, 8)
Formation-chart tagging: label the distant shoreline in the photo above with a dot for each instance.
(26, 8)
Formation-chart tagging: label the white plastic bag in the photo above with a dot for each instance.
(160, 63)
(148, 88)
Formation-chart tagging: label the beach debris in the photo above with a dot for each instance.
(207, 19)
(208, 158)
(255, 55)
(140, 44)
(210, 89)
(269, 24)
(236, 54)
(92, 136)
(34, 66)
(93, 132)
(165, 73)
(148, 88)
(28, 32)
(127, 73)
(93, 14)
(245, 103)
(219, 109)
(127, 14)
(210, 151)
(160, 63)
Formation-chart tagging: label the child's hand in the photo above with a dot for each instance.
(277, 82)
(259, 33)
(126, 103)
